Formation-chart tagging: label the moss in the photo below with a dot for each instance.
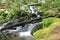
(47, 12)
(1, 17)
(43, 33)
(48, 25)
(48, 21)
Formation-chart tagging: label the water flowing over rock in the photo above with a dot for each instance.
(25, 36)
(23, 7)
(22, 32)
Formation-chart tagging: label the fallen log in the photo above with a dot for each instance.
(22, 23)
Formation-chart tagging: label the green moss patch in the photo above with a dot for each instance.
(49, 24)
(48, 21)
(43, 33)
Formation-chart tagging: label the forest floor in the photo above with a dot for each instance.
(54, 35)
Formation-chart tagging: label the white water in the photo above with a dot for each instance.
(14, 31)
(2, 25)
(32, 9)
(25, 36)
(23, 7)
(41, 1)
(24, 33)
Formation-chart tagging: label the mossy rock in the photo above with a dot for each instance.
(43, 34)
(50, 20)
(37, 27)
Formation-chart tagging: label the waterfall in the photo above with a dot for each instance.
(23, 7)
(24, 32)
(2, 25)
(26, 35)
(32, 9)
(41, 1)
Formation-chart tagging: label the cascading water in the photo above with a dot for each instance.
(32, 9)
(24, 33)
(23, 7)
(34, 12)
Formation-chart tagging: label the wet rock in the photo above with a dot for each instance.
(37, 27)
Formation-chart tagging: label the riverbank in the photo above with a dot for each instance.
(51, 32)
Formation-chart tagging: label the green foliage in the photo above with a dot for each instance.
(8, 15)
(57, 4)
(49, 7)
(43, 34)
(1, 17)
(48, 25)
(48, 21)
(47, 12)
(38, 8)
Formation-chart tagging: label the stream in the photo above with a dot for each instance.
(20, 32)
